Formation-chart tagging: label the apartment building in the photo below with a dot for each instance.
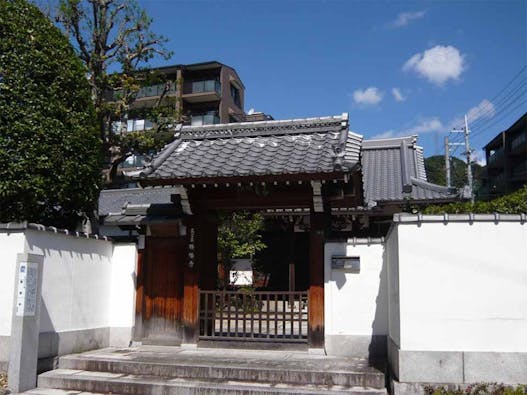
(506, 155)
(201, 93)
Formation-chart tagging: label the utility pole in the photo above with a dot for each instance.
(447, 162)
(469, 166)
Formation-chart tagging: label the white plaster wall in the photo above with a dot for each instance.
(11, 244)
(76, 281)
(463, 286)
(356, 303)
(123, 278)
(392, 267)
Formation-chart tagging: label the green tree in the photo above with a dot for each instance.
(435, 171)
(239, 235)
(115, 42)
(49, 145)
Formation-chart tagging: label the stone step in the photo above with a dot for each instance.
(318, 371)
(129, 384)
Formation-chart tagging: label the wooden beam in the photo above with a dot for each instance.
(316, 281)
(293, 177)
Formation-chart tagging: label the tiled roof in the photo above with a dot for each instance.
(312, 145)
(393, 170)
(114, 200)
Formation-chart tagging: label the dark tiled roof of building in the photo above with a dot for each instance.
(114, 200)
(313, 145)
(393, 170)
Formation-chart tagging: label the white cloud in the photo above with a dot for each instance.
(397, 95)
(404, 18)
(433, 124)
(385, 135)
(484, 110)
(427, 125)
(251, 111)
(478, 156)
(437, 64)
(368, 96)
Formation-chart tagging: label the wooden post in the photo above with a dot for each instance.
(316, 281)
(190, 285)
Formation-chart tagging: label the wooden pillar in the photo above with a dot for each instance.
(316, 281)
(190, 284)
(209, 246)
(202, 239)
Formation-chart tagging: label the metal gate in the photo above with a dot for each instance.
(253, 316)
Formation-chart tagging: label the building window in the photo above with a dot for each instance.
(202, 86)
(209, 118)
(235, 94)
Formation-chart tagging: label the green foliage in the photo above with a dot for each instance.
(238, 235)
(115, 35)
(514, 203)
(49, 146)
(435, 171)
(477, 389)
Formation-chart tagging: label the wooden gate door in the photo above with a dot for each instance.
(163, 290)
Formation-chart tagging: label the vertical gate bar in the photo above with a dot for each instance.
(244, 313)
(213, 312)
(229, 315)
(206, 315)
(300, 301)
(236, 316)
(275, 315)
(253, 303)
(220, 305)
(267, 315)
(260, 306)
(292, 314)
(284, 307)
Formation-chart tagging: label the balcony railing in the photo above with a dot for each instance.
(156, 90)
(204, 119)
(202, 87)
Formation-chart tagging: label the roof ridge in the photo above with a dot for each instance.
(431, 186)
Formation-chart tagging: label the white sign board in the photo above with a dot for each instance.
(241, 272)
(27, 289)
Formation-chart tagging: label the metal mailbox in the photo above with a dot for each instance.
(348, 263)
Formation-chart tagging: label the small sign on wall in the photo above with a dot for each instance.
(349, 263)
(27, 289)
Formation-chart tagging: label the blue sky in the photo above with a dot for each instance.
(396, 67)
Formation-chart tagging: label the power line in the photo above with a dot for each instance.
(496, 103)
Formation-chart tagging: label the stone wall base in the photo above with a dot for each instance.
(356, 346)
(53, 344)
(457, 367)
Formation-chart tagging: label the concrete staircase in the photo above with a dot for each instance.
(172, 370)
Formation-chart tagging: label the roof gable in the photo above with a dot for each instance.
(393, 170)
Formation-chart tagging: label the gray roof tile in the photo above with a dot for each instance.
(114, 200)
(393, 169)
(310, 145)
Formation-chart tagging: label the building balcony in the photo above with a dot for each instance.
(201, 91)
(204, 119)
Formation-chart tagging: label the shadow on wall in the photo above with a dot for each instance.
(378, 348)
